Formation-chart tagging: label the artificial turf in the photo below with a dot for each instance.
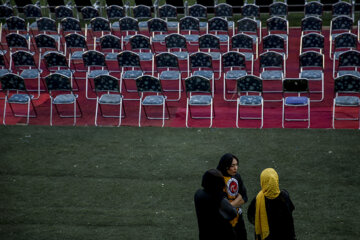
(138, 183)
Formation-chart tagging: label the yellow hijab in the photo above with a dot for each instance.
(269, 181)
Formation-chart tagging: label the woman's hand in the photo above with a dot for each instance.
(238, 201)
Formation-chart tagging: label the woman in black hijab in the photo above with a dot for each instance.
(235, 190)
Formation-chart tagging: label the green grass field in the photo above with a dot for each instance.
(138, 183)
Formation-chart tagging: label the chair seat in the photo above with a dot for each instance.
(115, 25)
(110, 99)
(169, 75)
(272, 75)
(355, 73)
(145, 56)
(33, 25)
(4, 71)
(159, 37)
(111, 56)
(235, 74)
(200, 100)
(19, 98)
(64, 99)
(204, 73)
(77, 55)
(132, 74)
(296, 101)
(223, 38)
(347, 101)
(181, 55)
(153, 100)
(172, 24)
(215, 55)
(311, 74)
(191, 37)
(250, 100)
(143, 25)
(30, 73)
(65, 72)
(203, 24)
(248, 55)
(95, 73)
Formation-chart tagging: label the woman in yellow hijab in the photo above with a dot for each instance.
(271, 210)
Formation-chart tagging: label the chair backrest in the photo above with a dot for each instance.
(62, 12)
(55, 59)
(209, 41)
(128, 24)
(341, 23)
(45, 41)
(277, 24)
(218, 24)
(106, 83)
(115, 12)
(345, 40)
(23, 59)
(198, 11)
(110, 42)
(166, 60)
(312, 41)
(114, 3)
(247, 25)
(93, 58)
(12, 82)
(313, 9)
(32, 11)
(223, 10)
(198, 84)
(6, 11)
(75, 40)
(157, 25)
(271, 59)
(311, 59)
(141, 12)
(70, 24)
(16, 23)
(296, 85)
(279, 9)
(148, 83)
(167, 11)
(311, 23)
(176, 41)
(251, 11)
(15, 40)
(189, 23)
(347, 84)
(200, 60)
(89, 12)
(272, 42)
(139, 42)
(249, 83)
(349, 59)
(100, 24)
(341, 8)
(46, 24)
(128, 59)
(58, 82)
(242, 41)
(233, 59)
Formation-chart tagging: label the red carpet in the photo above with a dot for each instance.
(225, 111)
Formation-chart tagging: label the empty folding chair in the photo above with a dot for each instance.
(16, 93)
(225, 11)
(128, 27)
(142, 13)
(275, 43)
(295, 86)
(312, 42)
(141, 44)
(244, 44)
(279, 26)
(210, 44)
(349, 63)
(252, 11)
(114, 13)
(168, 13)
(32, 12)
(108, 92)
(16, 41)
(312, 66)
(199, 93)
(110, 42)
(342, 42)
(62, 12)
(61, 93)
(6, 11)
(88, 13)
(158, 31)
(130, 69)
(342, 8)
(200, 12)
(15, 24)
(151, 94)
(249, 27)
(4, 65)
(347, 91)
(96, 65)
(99, 27)
(48, 26)
(201, 64)
(338, 25)
(311, 24)
(233, 67)
(45, 43)
(189, 27)
(167, 68)
(70, 25)
(249, 89)
(219, 27)
(314, 8)
(176, 44)
(278, 9)
(75, 45)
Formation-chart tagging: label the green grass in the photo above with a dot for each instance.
(138, 183)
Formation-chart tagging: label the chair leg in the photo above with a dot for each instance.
(187, 112)
(140, 106)
(237, 112)
(96, 110)
(120, 114)
(51, 110)
(4, 115)
(283, 113)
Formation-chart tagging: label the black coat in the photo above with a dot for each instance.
(279, 213)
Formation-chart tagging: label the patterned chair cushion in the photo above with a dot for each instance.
(311, 74)
(191, 37)
(344, 72)
(172, 25)
(272, 75)
(296, 100)
(115, 25)
(19, 98)
(153, 100)
(215, 55)
(145, 56)
(235, 74)
(143, 25)
(169, 75)
(64, 99)
(95, 73)
(181, 55)
(65, 72)
(200, 100)
(159, 38)
(347, 101)
(132, 74)
(250, 100)
(30, 73)
(204, 73)
(223, 38)
(110, 99)
(203, 24)
(4, 71)
(77, 55)
(111, 56)
(248, 55)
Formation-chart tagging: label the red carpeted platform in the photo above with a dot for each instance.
(321, 112)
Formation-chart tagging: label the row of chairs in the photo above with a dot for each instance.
(199, 94)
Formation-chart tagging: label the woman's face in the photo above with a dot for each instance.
(233, 168)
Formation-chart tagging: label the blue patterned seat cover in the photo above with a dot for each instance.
(250, 100)
(296, 100)
(347, 101)
(200, 100)
(19, 98)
